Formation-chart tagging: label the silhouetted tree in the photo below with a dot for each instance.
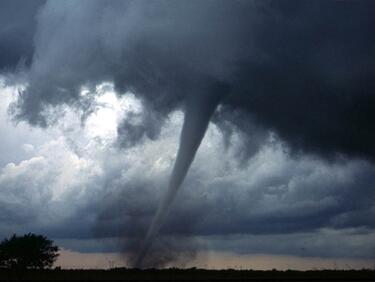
(27, 251)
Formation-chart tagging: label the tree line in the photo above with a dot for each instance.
(29, 251)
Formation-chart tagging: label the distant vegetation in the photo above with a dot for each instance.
(29, 251)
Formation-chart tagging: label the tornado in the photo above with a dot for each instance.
(199, 109)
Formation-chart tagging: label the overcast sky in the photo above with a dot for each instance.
(93, 98)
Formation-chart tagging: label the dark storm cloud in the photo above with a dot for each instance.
(300, 199)
(315, 86)
(303, 69)
(136, 126)
(297, 200)
(17, 29)
(113, 194)
(300, 71)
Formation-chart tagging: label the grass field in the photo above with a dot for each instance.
(173, 274)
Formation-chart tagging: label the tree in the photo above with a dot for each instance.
(29, 251)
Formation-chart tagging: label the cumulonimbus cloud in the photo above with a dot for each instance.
(302, 69)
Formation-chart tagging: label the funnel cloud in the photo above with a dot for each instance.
(197, 116)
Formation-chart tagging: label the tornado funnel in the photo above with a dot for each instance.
(199, 110)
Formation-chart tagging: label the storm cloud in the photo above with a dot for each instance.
(18, 26)
(302, 69)
(93, 191)
(293, 87)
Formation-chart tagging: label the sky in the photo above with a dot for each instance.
(267, 107)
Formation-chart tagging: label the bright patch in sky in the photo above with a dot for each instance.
(110, 110)
(70, 148)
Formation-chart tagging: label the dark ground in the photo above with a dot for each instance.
(122, 274)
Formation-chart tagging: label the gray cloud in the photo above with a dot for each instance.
(138, 126)
(282, 196)
(17, 29)
(298, 78)
(110, 195)
(305, 57)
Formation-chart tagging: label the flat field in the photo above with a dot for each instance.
(174, 274)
